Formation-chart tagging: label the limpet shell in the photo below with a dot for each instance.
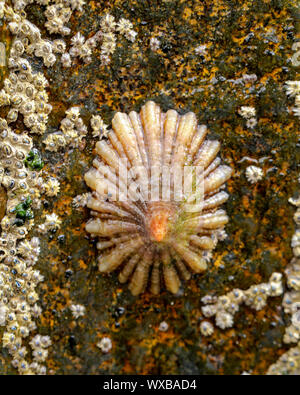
(144, 226)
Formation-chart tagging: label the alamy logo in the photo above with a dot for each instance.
(158, 183)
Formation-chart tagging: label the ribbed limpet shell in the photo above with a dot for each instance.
(150, 233)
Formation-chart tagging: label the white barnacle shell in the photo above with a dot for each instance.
(206, 328)
(224, 320)
(146, 224)
(12, 115)
(59, 46)
(105, 344)
(292, 88)
(254, 174)
(78, 40)
(108, 23)
(247, 112)
(49, 60)
(39, 81)
(66, 60)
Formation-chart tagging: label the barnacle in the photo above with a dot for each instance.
(107, 23)
(77, 310)
(251, 123)
(105, 344)
(292, 88)
(52, 221)
(154, 43)
(124, 26)
(52, 187)
(78, 40)
(247, 112)
(98, 126)
(66, 60)
(201, 50)
(254, 174)
(150, 225)
(59, 46)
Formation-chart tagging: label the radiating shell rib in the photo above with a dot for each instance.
(185, 274)
(217, 178)
(155, 276)
(114, 258)
(124, 131)
(128, 268)
(215, 200)
(102, 245)
(170, 276)
(204, 242)
(207, 221)
(141, 226)
(138, 129)
(150, 117)
(113, 138)
(185, 132)
(110, 227)
(140, 275)
(106, 207)
(207, 153)
(170, 127)
(195, 262)
(197, 141)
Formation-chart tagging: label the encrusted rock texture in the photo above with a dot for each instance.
(241, 37)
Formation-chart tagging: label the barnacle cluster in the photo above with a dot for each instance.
(28, 41)
(224, 307)
(25, 93)
(72, 131)
(289, 362)
(58, 12)
(83, 48)
(20, 165)
(147, 227)
(58, 15)
(15, 177)
(24, 90)
(18, 279)
(248, 112)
